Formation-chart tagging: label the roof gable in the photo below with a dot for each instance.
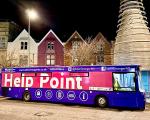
(24, 35)
(75, 35)
(100, 36)
(50, 32)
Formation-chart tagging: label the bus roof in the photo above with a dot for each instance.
(113, 68)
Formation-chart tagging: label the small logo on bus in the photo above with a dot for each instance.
(59, 94)
(48, 94)
(103, 68)
(83, 96)
(71, 95)
(38, 93)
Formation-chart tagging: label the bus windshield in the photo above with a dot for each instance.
(124, 81)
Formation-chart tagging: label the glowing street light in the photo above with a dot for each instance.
(32, 15)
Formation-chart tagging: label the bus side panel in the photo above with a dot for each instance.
(15, 93)
(127, 99)
(123, 99)
(141, 100)
(63, 96)
(56, 95)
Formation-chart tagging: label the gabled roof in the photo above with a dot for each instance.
(50, 32)
(100, 36)
(75, 34)
(25, 33)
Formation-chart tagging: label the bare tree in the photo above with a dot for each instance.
(7, 59)
(85, 54)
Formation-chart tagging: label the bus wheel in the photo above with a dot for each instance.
(102, 101)
(26, 96)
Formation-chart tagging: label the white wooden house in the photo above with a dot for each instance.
(23, 50)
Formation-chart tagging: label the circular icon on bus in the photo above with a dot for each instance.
(48, 94)
(38, 93)
(69, 68)
(83, 96)
(59, 94)
(71, 95)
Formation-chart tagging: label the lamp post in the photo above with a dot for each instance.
(32, 15)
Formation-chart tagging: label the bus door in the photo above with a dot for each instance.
(124, 89)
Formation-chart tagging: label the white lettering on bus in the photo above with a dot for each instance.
(17, 82)
(68, 81)
(8, 80)
(79, 79)
(62, 81)
(29, 81)
(42, 80)
(54, 82)
(22, 85)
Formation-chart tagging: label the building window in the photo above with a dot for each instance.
(50, 59)
(3, 42)
(101, 48)
(75, 61)
(50, 45)
(75, 45)
(3, 38)
(100, 59)
(24, 45)
(100, 54)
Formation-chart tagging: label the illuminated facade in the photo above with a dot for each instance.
(133, 38)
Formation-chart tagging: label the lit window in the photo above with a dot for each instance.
(50, 60)
(75, 45)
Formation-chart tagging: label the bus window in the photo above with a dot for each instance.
(49, 74)
(140, 83)
(79, 74)
(124, 81)
(27, 74)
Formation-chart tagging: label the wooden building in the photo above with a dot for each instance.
(50, 50)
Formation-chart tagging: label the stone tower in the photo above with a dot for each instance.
(133, 38)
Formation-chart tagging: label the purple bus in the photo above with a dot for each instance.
(105, 86)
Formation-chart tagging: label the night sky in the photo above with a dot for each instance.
(88, 17)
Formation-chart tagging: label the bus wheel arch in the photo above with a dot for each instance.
(101, 101)
(26, 96)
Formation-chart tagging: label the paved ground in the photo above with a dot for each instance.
(19, 110)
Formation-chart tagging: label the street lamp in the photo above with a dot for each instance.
(32, 15)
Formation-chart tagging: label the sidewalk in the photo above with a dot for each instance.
(3, 98)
